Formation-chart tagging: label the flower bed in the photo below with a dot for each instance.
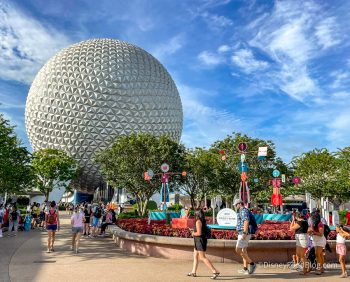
(269, 230)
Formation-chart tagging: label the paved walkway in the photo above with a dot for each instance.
(23, 258)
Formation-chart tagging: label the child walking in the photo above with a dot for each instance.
(27, 221)
(341, 248)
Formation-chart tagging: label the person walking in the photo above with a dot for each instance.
(243, 220)
(27, 221)
(77, 221)
(316, 230)
(2, 215)
(300, 226)
(342, 235)
(13, 220)
(52, 221)
(87, 215)
(200, 246)
(97, 214)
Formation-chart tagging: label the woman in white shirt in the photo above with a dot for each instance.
(77, 221)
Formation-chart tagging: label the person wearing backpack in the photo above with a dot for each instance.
(96, 215)
(13, 221)
(245, 228)
(200, 234)
(52, 221)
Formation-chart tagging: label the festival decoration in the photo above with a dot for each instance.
(276, 198)
(164, 179)
(262, 153)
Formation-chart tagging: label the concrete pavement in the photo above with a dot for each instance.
(24, 258)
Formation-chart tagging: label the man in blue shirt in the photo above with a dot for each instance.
(243, 237)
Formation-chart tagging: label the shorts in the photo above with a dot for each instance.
(319, 241)
(95, 221)
(341, 249)
(51, 227)
(34, 215)
(87, 219)
(243, 244)
(200, 244)
(301, 240)
(77, 230)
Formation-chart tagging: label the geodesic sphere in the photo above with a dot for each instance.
(95, 90)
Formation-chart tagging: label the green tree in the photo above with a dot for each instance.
(15, 170)
(53, 168)
(325, 174)
(198, 184)
(227, 176)
(125, 161)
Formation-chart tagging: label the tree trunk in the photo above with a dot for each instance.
(144, 209)
(47, 196)
(192, 202)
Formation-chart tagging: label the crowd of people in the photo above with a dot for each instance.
(91, 220)
(311, 231)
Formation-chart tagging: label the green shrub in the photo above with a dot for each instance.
(23, 201)
(132, 214)
(175, 207)
(152, 205)
(342, 218)
(61, 208)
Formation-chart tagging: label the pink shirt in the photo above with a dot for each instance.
(77, 219)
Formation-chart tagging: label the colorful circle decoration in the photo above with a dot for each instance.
(150, 173)
(296, 180)
(276, 173)
(164, 167)
(222, 152)
(256, 180)
(242, 147)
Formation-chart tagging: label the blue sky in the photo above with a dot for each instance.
(277, 70)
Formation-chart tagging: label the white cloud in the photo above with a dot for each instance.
(215, 21)
(341, 78)
(224, 49)
(210, 59)
(244, 59)
(169, 48)
(25, 44)
(339, 128)
(327, 33)
(294, 35)
(204, 124)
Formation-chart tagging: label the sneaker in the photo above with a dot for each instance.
(252, 268)
(344, 275)
(243, 271)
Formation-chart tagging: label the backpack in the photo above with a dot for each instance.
(97, 212)
(14, 216)
(51, 218)
(253, 227)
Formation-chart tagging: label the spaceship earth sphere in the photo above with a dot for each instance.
(95, 90)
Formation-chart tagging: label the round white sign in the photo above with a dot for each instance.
(164, 167)
(227, 217)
